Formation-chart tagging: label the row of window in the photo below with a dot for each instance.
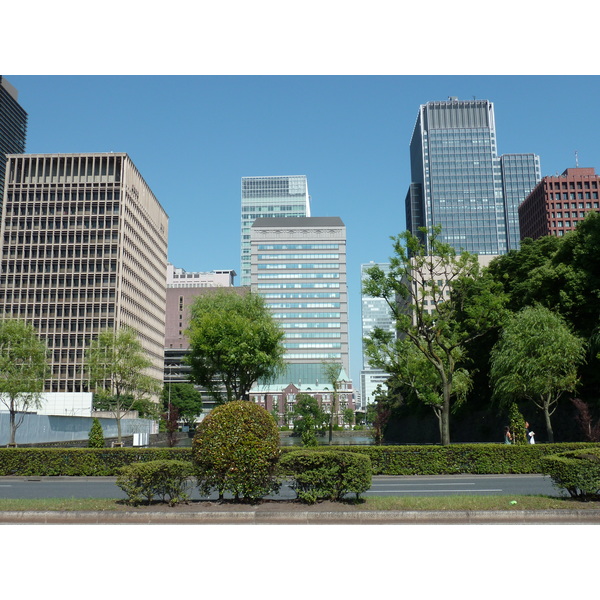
(571, 196)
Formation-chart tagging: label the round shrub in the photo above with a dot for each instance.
(236, 449)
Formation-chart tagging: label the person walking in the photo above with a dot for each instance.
(507, 436)
(531, 437)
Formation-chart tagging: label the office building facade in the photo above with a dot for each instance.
(269, 197)
(457, 178)
(557, 204)
(13, 126)
(84, 249)
(299, 268)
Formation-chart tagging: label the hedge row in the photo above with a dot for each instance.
(385, 460)
(577, 471)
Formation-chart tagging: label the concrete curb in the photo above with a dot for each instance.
(250, 517)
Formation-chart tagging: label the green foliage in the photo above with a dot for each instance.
(236, 449)
(517, 425)
(186, 398)
(536, 359)
(577, 471)
(116, 362)
(23, 368)
(426, 272)
(308, 418)
(101, 462)
(234, 341)
(96, 435)
(167, 479)
(326, 474)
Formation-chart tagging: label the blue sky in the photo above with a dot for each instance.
(194, 137)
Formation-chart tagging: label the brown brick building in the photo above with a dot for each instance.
(557, 204)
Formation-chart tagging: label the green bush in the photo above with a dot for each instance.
(96, 435)
(578, 472)
(235, 450)
(167, 479)
(326, 474)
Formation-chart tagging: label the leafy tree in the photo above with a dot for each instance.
(308, 418)
(234, 341)
(116, 363)
(23, 368)
(186, 398)
(517, 425)
(536, 359)
(96, 435)
(440, 301)
(348, 416)
(171, 423)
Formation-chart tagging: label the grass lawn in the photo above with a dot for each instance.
(443, 503)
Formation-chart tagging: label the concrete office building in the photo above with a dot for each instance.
(13, 126)
(269, 197)
(557, 204)
(84, 249)
(299, 268)
(375, 313)
(458, 180)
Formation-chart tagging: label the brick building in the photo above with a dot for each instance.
(558, 203)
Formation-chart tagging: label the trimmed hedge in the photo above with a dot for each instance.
(385, 460)
(326, 474)
(578, 472)
(81, 461)
(167, 479)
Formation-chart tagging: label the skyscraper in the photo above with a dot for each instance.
(299, 268)
(13, 126)
(272, 197)
(84, 249)
(458, 180)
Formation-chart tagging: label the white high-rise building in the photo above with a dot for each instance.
(269, 197)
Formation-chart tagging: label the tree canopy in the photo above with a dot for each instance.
(23, 369)
(536, 359)
(234, 341)
(117, 366)
(425, 290)
(185, 398)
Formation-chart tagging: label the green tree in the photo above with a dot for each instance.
(536, 359)
(96, 435)
(23, 368)
(426, 289)
(308, 418)
(332, 373)
(186, 398)
(116, 364)
(234, 342)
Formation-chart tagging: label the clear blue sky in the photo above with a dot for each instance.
(194, 137)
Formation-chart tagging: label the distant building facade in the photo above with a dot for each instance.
(558, 203)
(458, 180)
(84, 249)
(13, 126)
(299, 268)
(269, 197)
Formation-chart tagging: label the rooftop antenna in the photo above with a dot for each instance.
(576, 160)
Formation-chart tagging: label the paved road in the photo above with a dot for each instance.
(433, 485)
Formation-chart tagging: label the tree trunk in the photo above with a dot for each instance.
(549, 429)
(13, 428)
(447, 386)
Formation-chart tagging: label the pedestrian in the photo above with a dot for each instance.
(507, 436)
(531, 435)
(526, 431)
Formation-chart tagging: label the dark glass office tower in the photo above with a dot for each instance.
(457, 178)
(13, 127)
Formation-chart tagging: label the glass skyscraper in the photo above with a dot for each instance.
(275, 196)
(458, 180)
(13, 127)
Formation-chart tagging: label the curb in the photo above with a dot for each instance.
(591, 516)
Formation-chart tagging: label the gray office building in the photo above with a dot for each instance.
(459, 181)
(13, 127)
(269, 197)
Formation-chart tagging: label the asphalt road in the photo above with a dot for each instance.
(431, 485)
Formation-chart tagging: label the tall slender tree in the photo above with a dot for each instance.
(23, 368)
